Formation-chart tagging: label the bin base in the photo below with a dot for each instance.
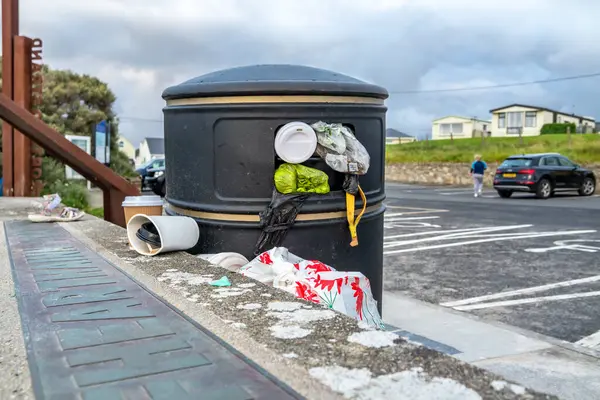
(326, 240)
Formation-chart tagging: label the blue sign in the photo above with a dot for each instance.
(101, 133)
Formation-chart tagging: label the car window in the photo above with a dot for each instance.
(565, 162)
(550, 161)
(516, 163)
(156, 164)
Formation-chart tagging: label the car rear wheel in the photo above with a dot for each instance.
(505, 194)
(588, 187)
(544, 189)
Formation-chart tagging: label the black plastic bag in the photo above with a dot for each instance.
(350, 184)
(277, 218)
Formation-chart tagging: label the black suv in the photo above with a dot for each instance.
(542, 174)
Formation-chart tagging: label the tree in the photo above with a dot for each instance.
(72, 103)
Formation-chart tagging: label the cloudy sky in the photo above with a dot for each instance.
(140, 47)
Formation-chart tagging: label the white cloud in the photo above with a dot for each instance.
(140, 47)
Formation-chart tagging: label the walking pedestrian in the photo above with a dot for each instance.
(477, 170)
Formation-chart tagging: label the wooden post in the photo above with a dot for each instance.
(569, 135)
(10, 29)
(22, 94)
(521, 136)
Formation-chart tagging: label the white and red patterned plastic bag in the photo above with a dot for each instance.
(314, 281)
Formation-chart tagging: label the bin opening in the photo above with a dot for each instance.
(336, 179)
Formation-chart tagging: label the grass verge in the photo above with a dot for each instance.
(583, 149)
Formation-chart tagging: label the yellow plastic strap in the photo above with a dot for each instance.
(352, 222)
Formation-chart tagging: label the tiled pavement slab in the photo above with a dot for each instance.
(92, 332)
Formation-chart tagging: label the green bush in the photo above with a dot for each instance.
(73, 193)
(558, 129)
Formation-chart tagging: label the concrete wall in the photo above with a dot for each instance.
(443, 173)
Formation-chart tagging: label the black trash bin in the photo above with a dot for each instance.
(219, 143)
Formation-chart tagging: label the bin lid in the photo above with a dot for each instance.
(273, 79)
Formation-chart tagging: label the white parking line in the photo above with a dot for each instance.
(494, 239)
(462, 234)
(507, 303)
(399, 219)
(524, 291)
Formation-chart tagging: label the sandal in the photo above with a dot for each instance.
(67, 214)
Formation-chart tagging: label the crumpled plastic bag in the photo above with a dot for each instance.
(296, 178)
(330, 136)
(314, 281)
(277, 219)
(352, 158)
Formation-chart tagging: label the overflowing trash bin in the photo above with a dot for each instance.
(271, 156)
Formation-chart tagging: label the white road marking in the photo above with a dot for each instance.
(566, 245)
(507, 303)
(524, 291)
(409, 224)
(456, 193)
(400, 219)
(470, 233)
(428, 233)
(420, 210)
(495, 239)
(592, 341)
(386, 215)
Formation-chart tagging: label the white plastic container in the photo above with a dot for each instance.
(176, 233)
(295, 142)
(230, 261)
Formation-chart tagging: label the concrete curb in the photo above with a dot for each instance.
(307, 364)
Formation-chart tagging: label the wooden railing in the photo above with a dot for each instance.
(56, 145)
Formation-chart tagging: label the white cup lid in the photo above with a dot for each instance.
(295, 142)
(142, 201)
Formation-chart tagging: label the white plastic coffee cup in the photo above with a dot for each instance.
(176, 233)
(295, 142)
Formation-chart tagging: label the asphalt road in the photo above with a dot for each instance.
(446, 247)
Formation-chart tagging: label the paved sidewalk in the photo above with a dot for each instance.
(530, 359)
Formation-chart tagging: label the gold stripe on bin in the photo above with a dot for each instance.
(255, 218)
(274, 99)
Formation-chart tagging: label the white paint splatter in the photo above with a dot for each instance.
(266, 295)
(178, 278)
(501, 385)
(205, 304)
(284, 306)
(222, 293)
(333, 340)
(247, 285)
(238, 325)
(289, 331)
(375, 339)
(290, 355)
(249, 306)
(359, 384)
(365, 326)
(303, 316)
(194, 298)
(172, 270)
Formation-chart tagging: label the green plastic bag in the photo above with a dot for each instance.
(296, 178)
